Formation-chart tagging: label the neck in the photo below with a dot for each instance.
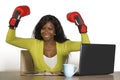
(49, 42)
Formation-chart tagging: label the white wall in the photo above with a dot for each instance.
(101, 16)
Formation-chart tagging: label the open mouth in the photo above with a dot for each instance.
(46, 36)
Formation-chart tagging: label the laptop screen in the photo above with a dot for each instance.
(96, 59)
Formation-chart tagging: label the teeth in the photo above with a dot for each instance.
(46, 36)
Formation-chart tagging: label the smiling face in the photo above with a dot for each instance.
(48, 32)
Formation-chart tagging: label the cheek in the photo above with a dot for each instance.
(53, 32)
(41, 31)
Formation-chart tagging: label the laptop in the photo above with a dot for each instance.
(96, 59)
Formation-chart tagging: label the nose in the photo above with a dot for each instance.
(46, 30)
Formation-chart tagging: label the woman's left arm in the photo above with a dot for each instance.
(76, 45)
(76, 18)
(85, 38)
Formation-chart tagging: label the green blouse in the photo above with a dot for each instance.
(35, 47)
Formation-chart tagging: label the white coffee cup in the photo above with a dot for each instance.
(69, 69)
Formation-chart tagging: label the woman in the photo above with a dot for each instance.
(49, 48)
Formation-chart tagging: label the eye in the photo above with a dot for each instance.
(50, 28)
(43, 28)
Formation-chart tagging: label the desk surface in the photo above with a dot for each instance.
(16, 76)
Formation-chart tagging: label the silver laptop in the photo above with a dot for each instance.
(96, 59)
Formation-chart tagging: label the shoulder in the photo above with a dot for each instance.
(69, 42)
(66, 42)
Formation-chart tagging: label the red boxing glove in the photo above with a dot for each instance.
(19, 12)
(76, 18)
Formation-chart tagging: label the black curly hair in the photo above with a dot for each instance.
(59, 37)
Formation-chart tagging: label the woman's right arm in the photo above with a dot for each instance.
(19, 42)
(19, 11)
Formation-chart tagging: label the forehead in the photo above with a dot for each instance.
(49, 24)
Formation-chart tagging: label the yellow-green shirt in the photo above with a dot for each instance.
(35, 47)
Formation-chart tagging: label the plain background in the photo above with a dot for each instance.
(101, 17)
